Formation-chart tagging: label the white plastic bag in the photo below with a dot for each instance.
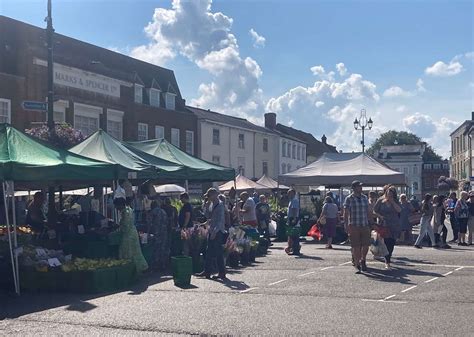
(378, 247)
(272, 228)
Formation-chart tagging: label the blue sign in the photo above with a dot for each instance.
(36, 106)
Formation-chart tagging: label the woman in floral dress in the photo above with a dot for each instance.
(129, 248)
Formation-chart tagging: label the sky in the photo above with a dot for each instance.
(316, 64)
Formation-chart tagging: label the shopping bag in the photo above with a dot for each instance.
(377, 246)
(414, 218)
(315, 233)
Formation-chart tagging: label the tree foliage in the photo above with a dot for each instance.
(393, 137)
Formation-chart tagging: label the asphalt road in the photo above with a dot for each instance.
(428, 292)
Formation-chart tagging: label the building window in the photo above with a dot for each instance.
(303, 153)
(406, 170)
(288, 151)
(298, 152)
(241, 141)
(288, 168)
(159, 132)
(5, 110)
(436, 166)
(59, 111)
(264, 168)
(265, 144)
(114, 129)
(216, 136)
(115, 123)
(446, 166)
(170, 101)
(142, 131)
(87, 125)
(175, 137)
(190, 142)
(216, 160)
(294, 152)
(428, 166)
(283, 150)
(138, 93)
(283, 168)
(154, 97)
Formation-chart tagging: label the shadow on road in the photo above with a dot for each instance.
(406, 260)
(398, 275)
(308, 257)
(31, 302)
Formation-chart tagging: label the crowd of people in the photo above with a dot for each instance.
(390, 215)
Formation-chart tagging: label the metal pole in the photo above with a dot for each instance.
(363, 142)
(7, 218)
(49, 38)
(15, 240)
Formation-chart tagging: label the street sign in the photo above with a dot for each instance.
(36, 106)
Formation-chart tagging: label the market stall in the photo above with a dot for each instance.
(242, 183)
(340, 169)
(101, 146)
(27, 162)
(196, 169)
(271, 184)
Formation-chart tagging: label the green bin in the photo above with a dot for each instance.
(182, 267)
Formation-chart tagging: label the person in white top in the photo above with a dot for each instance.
(249, 216)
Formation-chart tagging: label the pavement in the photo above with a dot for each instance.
(428, 292)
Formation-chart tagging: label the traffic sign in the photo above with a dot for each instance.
(37, 106)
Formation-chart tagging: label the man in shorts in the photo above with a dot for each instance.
(356, 224)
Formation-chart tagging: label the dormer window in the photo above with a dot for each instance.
(154, 97)
(170, 101)
(138, 93)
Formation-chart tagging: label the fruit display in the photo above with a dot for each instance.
(81, 264)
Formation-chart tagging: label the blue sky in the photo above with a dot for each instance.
(382, 44)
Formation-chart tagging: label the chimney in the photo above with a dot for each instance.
(324, 139)
(270, 120)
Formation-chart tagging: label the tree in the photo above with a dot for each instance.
(66, 136)
(393, 137)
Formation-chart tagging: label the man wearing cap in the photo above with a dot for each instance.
(215, 213)
(356, 224)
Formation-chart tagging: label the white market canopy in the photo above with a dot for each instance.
(242, 183)
(340, 169)
(169, 189)
(270, 183)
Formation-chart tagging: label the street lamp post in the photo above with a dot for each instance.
(361, 124)
(49, 39)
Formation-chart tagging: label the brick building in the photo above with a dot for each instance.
(94, 88)
(430, 174)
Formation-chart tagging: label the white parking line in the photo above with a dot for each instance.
(327, 268)
(389, 297)
(448, 273)
(408, 289)
(305, 274)
(272, 284)
(431, 280)
(247, 290)
(343, 264)
(457, 269)
(383, 301)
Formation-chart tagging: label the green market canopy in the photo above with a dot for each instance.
(26, 160)
(101, 146)
(196, 169)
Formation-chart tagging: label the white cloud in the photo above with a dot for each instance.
(420, 85)
(258, 40)
(328, 106)
(435, 133)
(401, 108)
(396, 92)
(204, 37)
(441, 69)
(341, 69)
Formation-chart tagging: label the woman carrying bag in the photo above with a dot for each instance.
(461, 211)
(387, 210)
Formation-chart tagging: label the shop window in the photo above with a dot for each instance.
(142, 131)
(175, 137)
(5, 110)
